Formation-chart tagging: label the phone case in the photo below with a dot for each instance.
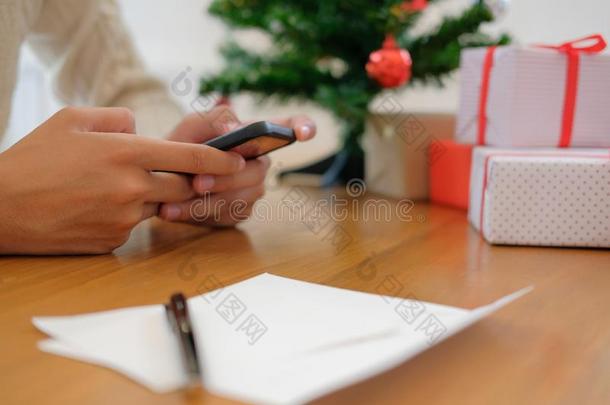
(252, 131)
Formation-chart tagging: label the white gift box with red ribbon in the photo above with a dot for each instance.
(553, 96)
(541, 196)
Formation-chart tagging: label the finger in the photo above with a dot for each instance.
(225, 218)
(254, 173)
(160, 155)
(150, 210)
(170, 187)
(304, 128)
(102, 119)
(212, 205)
(203, 126)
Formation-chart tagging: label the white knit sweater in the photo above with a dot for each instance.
(91, 55)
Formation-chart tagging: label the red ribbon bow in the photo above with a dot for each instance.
(572, 49)
(597, 44)
(589, 45)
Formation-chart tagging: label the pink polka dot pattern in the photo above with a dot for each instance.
(548, 201)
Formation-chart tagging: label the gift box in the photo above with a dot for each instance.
(397, 150)
(555, 96)
(449, 174)
(542, 197)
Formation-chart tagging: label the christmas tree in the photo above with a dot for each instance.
(328, 52)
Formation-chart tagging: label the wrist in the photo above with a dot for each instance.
(8, 228)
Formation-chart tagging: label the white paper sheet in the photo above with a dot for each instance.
(267, 339)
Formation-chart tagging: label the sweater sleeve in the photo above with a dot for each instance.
(94, 62)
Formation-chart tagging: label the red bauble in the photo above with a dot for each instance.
(414, 5)
(390, 66)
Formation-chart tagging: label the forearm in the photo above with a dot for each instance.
(5, 212)
(10, 228)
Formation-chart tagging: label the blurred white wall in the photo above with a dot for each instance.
(176, 35)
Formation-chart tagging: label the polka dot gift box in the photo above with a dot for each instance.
(541, 197)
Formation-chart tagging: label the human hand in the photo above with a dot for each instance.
(224, 195)
(82, 180)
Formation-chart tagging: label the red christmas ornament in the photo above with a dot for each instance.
(414, 5)
(390, 66)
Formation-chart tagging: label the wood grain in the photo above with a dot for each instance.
(551, 347)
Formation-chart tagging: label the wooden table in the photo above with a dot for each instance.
(551, 346)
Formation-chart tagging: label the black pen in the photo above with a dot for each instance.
(178, 315)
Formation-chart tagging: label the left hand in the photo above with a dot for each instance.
(228, 199)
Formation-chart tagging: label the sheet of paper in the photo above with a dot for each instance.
(267, 339)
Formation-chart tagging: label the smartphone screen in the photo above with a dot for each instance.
(260, 146)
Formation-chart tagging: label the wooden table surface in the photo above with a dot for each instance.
(550, 347)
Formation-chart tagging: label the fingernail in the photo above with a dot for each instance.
(306, 131)
(242, 161)
(172, 212)
(231, 125)
(204, 183)
(265, 160)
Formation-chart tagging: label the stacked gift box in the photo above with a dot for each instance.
(531, 159)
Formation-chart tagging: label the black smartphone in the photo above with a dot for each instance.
(254, 140)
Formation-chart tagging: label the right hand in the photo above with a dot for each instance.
(82, 180)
